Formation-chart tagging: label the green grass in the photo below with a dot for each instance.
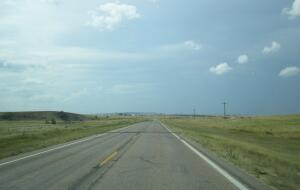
(266, 147)
(22, 136)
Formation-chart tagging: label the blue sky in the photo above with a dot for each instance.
(165, 56)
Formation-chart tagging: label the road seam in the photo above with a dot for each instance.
(60, 147)
(234, 181)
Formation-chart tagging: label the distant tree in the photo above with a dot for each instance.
(53, 121)
(8, 116)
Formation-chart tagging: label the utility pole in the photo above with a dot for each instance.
(224, 103)
(194, 111)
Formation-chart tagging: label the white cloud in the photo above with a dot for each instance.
(289, 72)
(186, 45)
(192, 45)
(294, 11)
(275, 46)
(220, 69)
(243, 59)
(107, 16)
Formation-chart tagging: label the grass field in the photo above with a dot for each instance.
(27, 135)
(266, 147)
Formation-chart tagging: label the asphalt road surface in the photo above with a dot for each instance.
(143, 156)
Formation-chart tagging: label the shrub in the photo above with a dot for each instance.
(53, 121)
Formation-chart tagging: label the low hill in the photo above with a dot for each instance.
(42, 115)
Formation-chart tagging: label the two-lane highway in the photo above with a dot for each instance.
(143, 156)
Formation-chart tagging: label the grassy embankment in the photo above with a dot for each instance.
(266, 147)
(19, 136)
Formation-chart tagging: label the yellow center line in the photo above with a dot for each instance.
(111, 156)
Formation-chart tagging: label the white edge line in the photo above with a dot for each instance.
(60, 147)
(210, 162)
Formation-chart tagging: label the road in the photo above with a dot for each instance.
(144, 156)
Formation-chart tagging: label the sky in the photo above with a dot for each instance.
(164, 56)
